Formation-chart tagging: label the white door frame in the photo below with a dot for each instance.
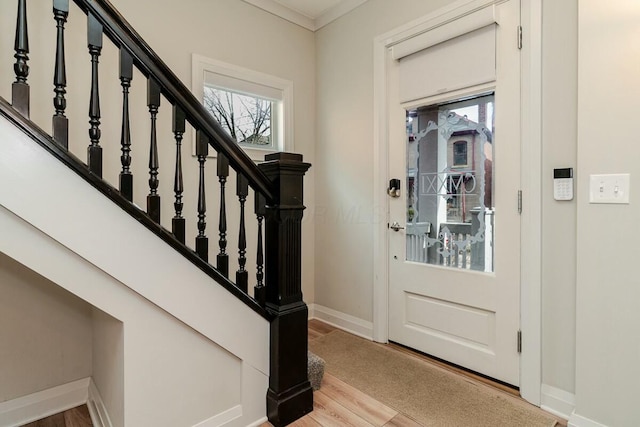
(531, 174)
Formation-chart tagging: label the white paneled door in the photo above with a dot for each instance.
(454, 224)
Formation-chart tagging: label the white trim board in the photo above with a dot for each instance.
(222, 418)
(97, 408)
(42, 404)
(557, 401)
(343, 321)
(531, 260)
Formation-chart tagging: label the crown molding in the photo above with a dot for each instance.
(305, 21)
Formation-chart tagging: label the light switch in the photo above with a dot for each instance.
(611, 188)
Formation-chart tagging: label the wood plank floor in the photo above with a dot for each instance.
(338, 404)
(75, 417)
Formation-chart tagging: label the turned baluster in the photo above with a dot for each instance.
(202, 241)
(20, 88)
(259, 291)
(126, 75)
(60, 123)
(242, 276)
(223, 257)
(178, 221)
(153, 199)
(94, 151)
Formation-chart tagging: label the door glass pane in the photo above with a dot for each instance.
(450, 214)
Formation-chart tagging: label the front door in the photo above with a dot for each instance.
(454, 225)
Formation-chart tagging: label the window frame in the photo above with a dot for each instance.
(205, 71)
(460, 143)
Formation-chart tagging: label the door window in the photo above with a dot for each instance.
(450, 214)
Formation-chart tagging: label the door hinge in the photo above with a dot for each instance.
(519, 201)
(519, 36)
(519, 343)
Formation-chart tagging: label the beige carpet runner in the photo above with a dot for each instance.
(431, 395)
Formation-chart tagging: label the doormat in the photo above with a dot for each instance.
(429, 394)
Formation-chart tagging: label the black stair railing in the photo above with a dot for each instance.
(277, 185)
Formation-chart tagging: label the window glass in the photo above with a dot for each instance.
(247, 118)
(450, 215)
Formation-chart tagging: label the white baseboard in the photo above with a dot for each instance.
(42, 404)
(222, 418)
(97, 409)
(579, 421)
(343, 321)
(557, 401)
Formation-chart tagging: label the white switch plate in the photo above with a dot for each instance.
(611, 188)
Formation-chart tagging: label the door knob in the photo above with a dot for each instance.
(395, 226)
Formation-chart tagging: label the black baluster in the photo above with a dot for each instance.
(242, 276)
(223, 257)
(202, 241)
(60, 123)
(153, 199)
(94, 151)
(126, 75)
(178, 222)
(20, 88)
(259, 291)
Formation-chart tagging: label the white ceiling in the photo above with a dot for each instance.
(310, 14)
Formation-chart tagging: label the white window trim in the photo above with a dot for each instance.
(201, 65)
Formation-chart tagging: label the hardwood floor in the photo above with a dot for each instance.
(338, 404)
(75, 417)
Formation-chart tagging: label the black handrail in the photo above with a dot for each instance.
(124, 36)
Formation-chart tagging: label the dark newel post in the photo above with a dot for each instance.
(242, 276)
(178, 221)
(223, 257)
(290, 395)
(126, 75)
(259, 291)
(202, 241)
(20, 88)
(153, 199)
(94, 151)
(60, 123)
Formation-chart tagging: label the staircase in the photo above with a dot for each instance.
(160, 302)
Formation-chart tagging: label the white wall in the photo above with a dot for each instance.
(108, 364)
(227, 30)
(45, 332)
(608, 319)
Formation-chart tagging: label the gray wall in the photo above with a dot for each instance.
(608, 287)
(559, 115)
(45, 333)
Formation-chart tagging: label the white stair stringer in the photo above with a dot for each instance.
(59, 226)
